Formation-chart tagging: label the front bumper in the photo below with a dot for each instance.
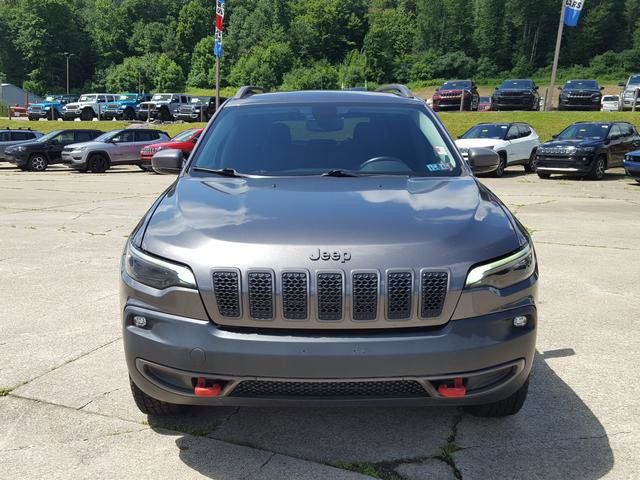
(74, 159)
(568, 165)
(190, 117)
(111, 114)
(515, 103)
(39, 114)
(632, 169)
(167, 355)
(71, 114)
(19, 159)
(586, 105)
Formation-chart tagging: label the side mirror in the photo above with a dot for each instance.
(497, 88)
(437, 89)
(554, 136)
(559, 88)
(601, 88)
(167, 162)
(483, 160)
(194, 140)
(536, 87)
(622, 84)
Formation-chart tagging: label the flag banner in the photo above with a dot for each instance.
(572, 10)
(217, 42)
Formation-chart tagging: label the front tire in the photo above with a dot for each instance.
(164, 115)
(129, 114)
(502, 166)
(86, 115)
(502, 408)
(37, 163)
(531, 165)
(598, 169)
(544, 176)
(150, 406)
(98, 163)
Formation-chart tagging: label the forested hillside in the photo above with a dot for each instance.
(121, 45)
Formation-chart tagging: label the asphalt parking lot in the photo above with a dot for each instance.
(66, 410)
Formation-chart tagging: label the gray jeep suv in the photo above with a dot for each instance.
(328, 247)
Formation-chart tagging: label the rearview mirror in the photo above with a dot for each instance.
(483, 160)
(167, 162)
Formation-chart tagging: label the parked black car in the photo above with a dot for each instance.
(580, 95)
(587, 149)
(201, 109)
(518, 94)
(39, 154)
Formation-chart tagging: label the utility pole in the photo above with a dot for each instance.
(548, 102)
(66, 54)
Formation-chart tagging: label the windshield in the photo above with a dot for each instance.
(610, 98)
(49, 136)
(582, 131)
(496, 131)
(289, 140)
(516, 84)
(581, 85)
(456, 85)
(184, 136)
(198, 100)
(634, 80)
(485, 100)
(161, 96)
(129, 96)
(105, 137)
(50, 99)
(87, 98)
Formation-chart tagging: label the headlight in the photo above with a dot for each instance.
(155, 272)
(21, 149)
(79, 149)
(504, 272)
(47, 108)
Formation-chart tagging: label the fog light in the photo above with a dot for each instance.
(520, 321)
(141, 322)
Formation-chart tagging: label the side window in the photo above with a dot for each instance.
(84, 136)
(615, 132)
(5, 136)
(101, 99)
(525, 130)
(22, 135)
(627, 130)
(183, 99)
(124, 137)
(513, 133)
(144, 136)
(65, 138)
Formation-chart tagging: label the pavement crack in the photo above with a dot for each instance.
(264, 464)
(98, 398)
(609, 247)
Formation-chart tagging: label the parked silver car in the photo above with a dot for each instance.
(328, 247)
(630, 93)
(10, 137)
(117, 147)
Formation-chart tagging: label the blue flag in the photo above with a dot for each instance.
(572, 10)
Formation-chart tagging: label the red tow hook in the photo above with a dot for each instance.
(201, 389)
(457, 391)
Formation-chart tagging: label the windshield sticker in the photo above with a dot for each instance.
(439, 167)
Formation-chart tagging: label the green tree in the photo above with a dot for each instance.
(264, 65)
(203, 62)
(169, 76)
(319, 76)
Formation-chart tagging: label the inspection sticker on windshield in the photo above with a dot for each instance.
(439, 167)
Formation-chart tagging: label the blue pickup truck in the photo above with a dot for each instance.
(50, 108)
(126, 107)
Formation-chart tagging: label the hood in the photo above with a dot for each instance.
(514, 90)
(587, 142)
(85, 144)
(380, 220)
(635, 156)
(478, 142)
(45, 104)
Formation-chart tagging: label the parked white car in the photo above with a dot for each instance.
(88, 106)
(516, 143)
(610, 103)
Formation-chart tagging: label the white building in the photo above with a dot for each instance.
(12, 95)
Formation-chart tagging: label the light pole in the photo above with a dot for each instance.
(68, 55)
(364, 54)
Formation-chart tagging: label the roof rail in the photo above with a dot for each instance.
(249, 90)
(396, 89)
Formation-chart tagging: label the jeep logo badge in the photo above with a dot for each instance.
(336, 256)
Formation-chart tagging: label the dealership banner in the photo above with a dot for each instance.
(572, 10)
(217, 44)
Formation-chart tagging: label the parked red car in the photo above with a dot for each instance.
(184, 141)
(455, 92)
(485, 105)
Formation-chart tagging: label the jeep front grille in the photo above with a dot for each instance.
(399, 288)
(329, 389)
(330, 296)
(434, 287)
(261, 295)
(365, 296)
(299, 298)
(295, 290)
(227, 292)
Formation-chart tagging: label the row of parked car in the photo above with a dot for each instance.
(583, 149)
(523, 94)
(88, 149)
(124, 106)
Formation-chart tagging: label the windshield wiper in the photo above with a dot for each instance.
(340, 173)
(223, 172)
